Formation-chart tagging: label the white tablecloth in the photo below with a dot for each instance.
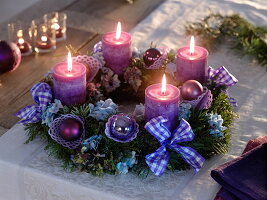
(27, 173)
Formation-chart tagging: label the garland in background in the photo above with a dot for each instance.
(243, 36)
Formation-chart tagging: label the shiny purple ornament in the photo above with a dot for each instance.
(70, 129)
(121, 128)
(151, 55)
(10, 56)
(191, 89)
(203, 101)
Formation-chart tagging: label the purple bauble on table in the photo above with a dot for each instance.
(151, 55)
(70, 129)
(10, 56)
(191, 89)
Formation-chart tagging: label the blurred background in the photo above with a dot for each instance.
(9, 8)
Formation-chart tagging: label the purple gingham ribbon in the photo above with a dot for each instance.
(158, 160)
(42, 95)
(97, 47)
(221, 76)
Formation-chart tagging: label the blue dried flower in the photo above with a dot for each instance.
(216, 124)
(184, 111)
(91, 143)
(132, 75)
(139, 113)
(215, 120)
(123, 167)
(216, 132)
(50, 111)
(103, 109)
(109, 80)
(132, 160)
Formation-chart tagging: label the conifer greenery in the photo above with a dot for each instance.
(243, 36)
(110, 152)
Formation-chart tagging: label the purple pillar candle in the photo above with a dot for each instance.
(191, 63)
(70, 82)
(117, 49)
(162, 100)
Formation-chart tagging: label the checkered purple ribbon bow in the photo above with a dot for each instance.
(158, 160)
(42, 95)
(221, 76)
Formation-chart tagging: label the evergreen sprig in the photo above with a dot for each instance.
(243, 36)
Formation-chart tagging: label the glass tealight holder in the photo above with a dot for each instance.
(19, 34)
(57, 21)
(44, 38)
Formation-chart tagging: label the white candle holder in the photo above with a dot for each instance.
(18, 33)
(57, 21)
(44, 38)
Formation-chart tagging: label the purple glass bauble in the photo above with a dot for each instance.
(191, 89)
(70, 129)
(10, 56)
(151, 55)
(121, 128)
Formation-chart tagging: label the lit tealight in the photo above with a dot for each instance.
(44, 38)
(20, 33)
(21, 41)
(55, 26)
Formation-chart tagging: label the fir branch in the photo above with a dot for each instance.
(33, 130)
(244, 37)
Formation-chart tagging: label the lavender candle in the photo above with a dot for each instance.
(117, 49)
(162, 99)
(70, 82)
(191, 63)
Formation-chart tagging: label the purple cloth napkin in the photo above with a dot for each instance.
(245, 177)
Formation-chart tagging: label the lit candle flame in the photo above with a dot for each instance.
(118, 32)
(20, 40)
(44, 38)
(69, 62)
(163, 85)
(192, 45)
(55, 26)
(20, 33)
